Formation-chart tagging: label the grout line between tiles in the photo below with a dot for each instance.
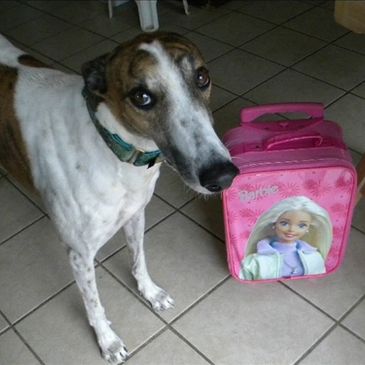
(83, 50)
(336, 325)
(65, 20)
(28, 346)
(12, 39)
(170, 204)
(145, 232)
(231, 92)
(53, 35)
(202, 227)
(42, 304)
(46, 301)
(318, 3)
(26, 196)
(158, 334)
(163, 320)
(234, 47)
(134, 294)
(2, 315)
(196, 303)
(179, 210)
(169, 325)
(148, 306)
(79, 27)
(42, 15)
(324, 81)
(346, 48)
(227, 103)
(263, 82)
(308, 301)
(352, 332)
(178, 334)
(200, 299)
(290, 67)
(355, 151)
(191, 30)
(315, 344)
(358, 229)
(276, 26)
(359, 96)
(21, 230)
(352, 308)
(240, 10)
(25, 21)
(124, 247)
(311, 35)
(146, 343)
(11, 327)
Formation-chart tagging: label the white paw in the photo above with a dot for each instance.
(159, 299)
(116, 353)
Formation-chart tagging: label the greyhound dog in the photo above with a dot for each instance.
(92, 148)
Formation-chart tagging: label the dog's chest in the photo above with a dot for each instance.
(88, 192)
(92, 208)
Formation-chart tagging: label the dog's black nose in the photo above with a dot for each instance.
(218, 177)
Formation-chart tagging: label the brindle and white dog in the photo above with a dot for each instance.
(92, 147)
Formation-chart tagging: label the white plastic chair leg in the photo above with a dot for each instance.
(148, 17)
(110, 8)
(186, 6)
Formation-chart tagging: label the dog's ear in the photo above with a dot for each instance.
(94, 74)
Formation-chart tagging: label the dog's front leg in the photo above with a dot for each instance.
(111, 346)
(156, 296)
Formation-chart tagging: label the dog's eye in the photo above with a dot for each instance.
(141, 98)
(202, 78)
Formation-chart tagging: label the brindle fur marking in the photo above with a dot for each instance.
(28, 60)
(13, 154)
(131, 67)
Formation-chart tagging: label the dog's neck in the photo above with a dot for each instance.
(128, 147)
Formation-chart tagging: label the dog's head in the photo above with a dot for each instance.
(158, 87)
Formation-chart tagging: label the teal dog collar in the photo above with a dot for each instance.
(126, 152)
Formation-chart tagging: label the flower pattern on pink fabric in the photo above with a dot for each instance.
(333, 256)
(316, 187)
(338, 208)
(328, 187)
(245, 187)
(244, 235)
(338, 233)
(251, 215)
(234, 216)
(344, 182)
(234, 239)
(289, 189)
(233, 195)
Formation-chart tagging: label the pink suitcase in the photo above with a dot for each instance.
(288, 213)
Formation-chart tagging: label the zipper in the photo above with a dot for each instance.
(263, 166)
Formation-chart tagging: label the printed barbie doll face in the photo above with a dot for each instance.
(292, 225)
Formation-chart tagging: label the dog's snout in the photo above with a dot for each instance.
(218, 177)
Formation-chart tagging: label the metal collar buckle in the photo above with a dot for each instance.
(136, 154)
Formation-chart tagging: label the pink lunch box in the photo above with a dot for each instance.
(288, 213)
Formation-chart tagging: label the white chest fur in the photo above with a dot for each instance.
(88, 192)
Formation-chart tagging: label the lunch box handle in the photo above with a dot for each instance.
(314, 110)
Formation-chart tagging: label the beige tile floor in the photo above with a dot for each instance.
(258, 52)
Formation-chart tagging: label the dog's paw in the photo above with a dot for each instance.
(116, 353)
(161, 300)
